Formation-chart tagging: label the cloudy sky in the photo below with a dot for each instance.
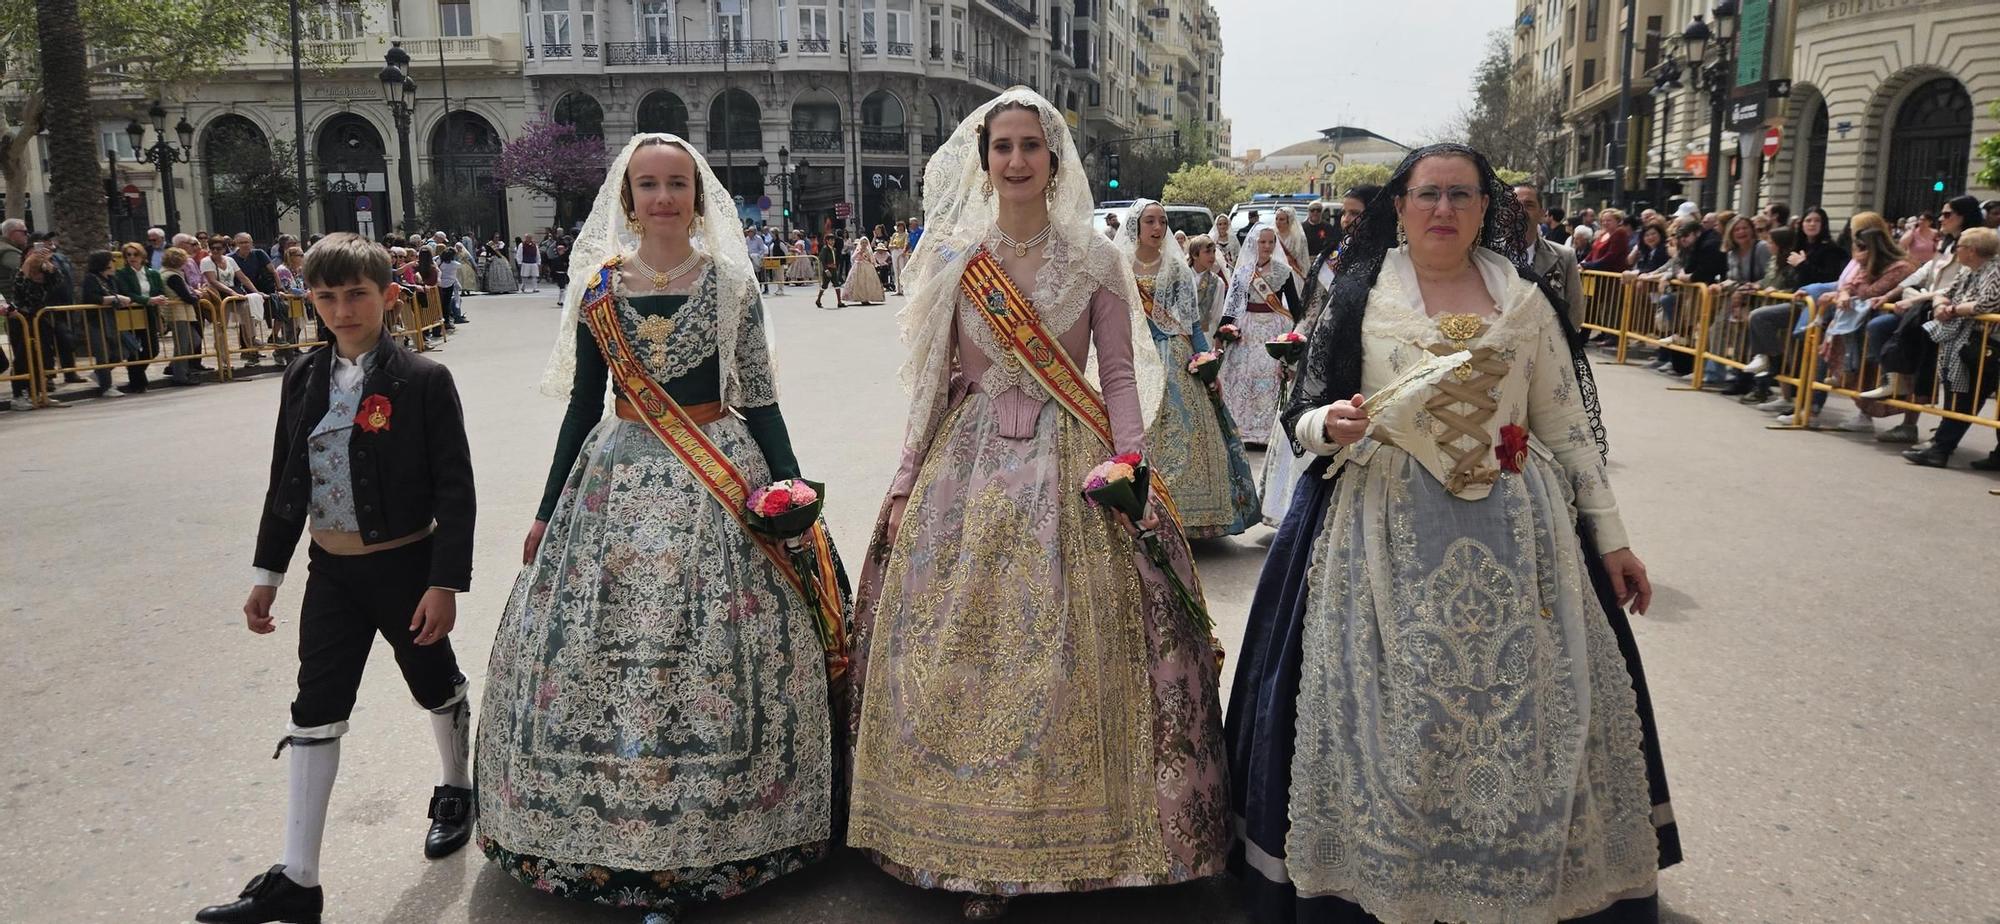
(1400, 68)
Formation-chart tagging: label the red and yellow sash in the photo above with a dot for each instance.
(1029, 343)
(1273, 298)
(1151, 304)
(678, 431)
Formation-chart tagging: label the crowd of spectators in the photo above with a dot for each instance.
(1898, 304)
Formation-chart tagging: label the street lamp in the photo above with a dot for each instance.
(399, 90)
(1715, 75)
(785, 185)
(163, 155)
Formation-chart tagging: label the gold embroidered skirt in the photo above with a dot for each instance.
(1037, 713)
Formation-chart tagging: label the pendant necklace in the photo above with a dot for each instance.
(1021, 247)
(660, 279)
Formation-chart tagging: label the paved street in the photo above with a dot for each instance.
(1822, 654)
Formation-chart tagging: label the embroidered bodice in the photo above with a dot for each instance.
(327, 451)
(1520, 374)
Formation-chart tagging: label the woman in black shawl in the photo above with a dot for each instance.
(1439, 713)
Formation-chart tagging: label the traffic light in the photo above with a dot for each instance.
(1111, 171)
(1937, 186)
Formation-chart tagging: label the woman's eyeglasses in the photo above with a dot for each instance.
(1428, 198)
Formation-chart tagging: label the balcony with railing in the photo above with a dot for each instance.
(932, 142)
(367, 53)
(1021, 15)
(884, 141)
(936, 53)
(813, 46)
(810, 139)
(901, 50)
(696, 53)
(992, 73)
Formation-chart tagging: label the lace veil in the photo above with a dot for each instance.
(605, 235)
(1174, 274)
(959, 216)
(1275, 272)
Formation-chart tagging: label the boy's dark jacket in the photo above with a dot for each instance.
(416, 471)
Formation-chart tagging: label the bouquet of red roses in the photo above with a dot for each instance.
(785, 510)
(1228, 333)
(787, 513)
(1121, 483)
(1205, 366)
(1287, 348)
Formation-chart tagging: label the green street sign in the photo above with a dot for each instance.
(1754, 35)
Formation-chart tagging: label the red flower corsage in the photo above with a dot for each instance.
(1513, 448)
(374, 414)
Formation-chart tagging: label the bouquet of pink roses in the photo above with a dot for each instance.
(1287, 348)
(786, 509)
(1228, 333)
(1205, 366)
(1121, 483)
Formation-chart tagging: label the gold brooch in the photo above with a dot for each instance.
(1460, 328)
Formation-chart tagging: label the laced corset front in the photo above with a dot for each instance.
(1059, 294)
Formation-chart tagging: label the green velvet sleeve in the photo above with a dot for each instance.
(767, 427)
(586, 408)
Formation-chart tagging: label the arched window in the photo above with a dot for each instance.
(353, 175)
(239, 169)
(816, 121)
(662, 111)
(1933, 131)
(735, 122)
(882, 123)
(461, 197)
(580, 110)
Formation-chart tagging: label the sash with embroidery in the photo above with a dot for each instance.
(1019, 328)
(1273, 298)
(715, 472)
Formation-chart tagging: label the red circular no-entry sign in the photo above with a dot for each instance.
(1771, 136)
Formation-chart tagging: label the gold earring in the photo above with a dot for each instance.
(1402, 236)
(632, 224)
(1049, 191)
(986, 187)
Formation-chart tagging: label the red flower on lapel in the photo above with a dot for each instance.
(1513, 448)
(374, 414)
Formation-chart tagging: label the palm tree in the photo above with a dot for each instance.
(77, 186)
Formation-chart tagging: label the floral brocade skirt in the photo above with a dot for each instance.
(1468, 740)
(655, 729)
(1250, 386)
(1038, 714)
(1193, 445)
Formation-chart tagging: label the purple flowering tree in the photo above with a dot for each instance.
(554, 161)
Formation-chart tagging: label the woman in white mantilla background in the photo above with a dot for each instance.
(1039, 712)
(1439, 713)
(864, 282)
(1291, 240)
(1193, 443)
(1263, 304)
(657, 729)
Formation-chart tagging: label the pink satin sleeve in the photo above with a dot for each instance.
(1111, 331)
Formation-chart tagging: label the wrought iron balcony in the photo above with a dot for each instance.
(881, 141)
(901, 50)
(809, 139)
(813, 45)
(868, 48)
(552, 51)
(993, 74)
(589, 51)
(1016, 12)
(715, 53)
(937, 52)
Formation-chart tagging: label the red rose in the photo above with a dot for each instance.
(374, 414)
(1128, 458)
(1513, 448)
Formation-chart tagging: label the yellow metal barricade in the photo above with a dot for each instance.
(236, 335)
(1607, 300)
(99, 343)
(793, 269)
(1670, 315)
(1855, 378)
(305, 323)
(186, 342)
(24, 350)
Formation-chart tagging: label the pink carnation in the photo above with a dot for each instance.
(803, 494)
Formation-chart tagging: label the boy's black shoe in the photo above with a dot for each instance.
(1989, 464)
(271, 896)
(1931, 457)
(451, 821)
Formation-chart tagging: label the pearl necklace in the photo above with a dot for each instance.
(1021, 247)
(659, 279)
